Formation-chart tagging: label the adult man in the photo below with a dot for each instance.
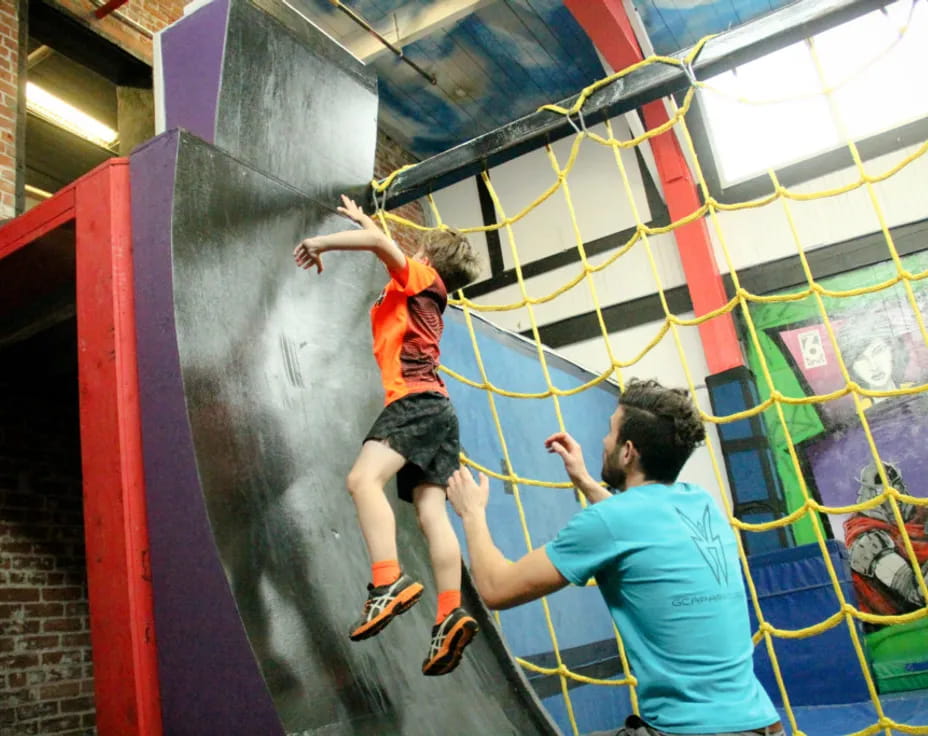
(666, 563)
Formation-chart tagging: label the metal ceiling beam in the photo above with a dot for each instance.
(794, 22)
(384, 43)
(409, 23)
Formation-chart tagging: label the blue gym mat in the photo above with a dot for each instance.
(910, 709)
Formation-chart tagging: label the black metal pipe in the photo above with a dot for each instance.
(357, 18)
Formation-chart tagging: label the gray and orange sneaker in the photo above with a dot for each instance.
(449, 638)
(383, 604)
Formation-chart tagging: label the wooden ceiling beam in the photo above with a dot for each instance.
(409, 23)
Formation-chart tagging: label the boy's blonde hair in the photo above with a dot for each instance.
(451, 254)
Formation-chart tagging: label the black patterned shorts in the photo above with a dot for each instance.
(423, 428)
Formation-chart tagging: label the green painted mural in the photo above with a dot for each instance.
(883, 343)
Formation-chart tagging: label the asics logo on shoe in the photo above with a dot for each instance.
(385, 603)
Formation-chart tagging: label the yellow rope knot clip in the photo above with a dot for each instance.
(579, 130)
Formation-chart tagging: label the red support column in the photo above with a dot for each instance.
(116, 532)
(608, 26)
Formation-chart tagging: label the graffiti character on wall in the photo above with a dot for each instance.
(875, 357)
(852, 446)
(884, 578)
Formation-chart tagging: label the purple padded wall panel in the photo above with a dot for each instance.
(210, 682)
(258, 81)
(191, 68)
(248, 467)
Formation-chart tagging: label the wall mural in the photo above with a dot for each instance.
(884, 349)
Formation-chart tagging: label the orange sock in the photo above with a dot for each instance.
(384, 572)
(448, 600)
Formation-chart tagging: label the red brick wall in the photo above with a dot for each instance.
(389, 157)
(9, 76)
(46, 672)
(151, 15)
(144, 17)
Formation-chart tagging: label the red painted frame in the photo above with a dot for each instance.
(608, 26)
(115, 524)
(106, 9)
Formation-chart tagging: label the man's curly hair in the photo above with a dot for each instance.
(451, 254)
(664, 426)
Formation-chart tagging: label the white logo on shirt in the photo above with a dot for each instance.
(708, 544)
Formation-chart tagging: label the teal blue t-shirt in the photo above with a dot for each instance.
(667, 565)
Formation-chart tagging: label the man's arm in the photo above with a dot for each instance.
(571, 453)
(500, 583)
(370, 238)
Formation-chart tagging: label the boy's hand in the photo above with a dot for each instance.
(352, 210)
(571, 453)
(465, 495)
(308, 254)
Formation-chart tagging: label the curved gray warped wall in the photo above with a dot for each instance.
(257, 384)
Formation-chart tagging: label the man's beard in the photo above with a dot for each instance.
(612, 474)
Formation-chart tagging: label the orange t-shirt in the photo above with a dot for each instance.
(407, 325)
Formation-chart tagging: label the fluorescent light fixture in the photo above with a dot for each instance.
(38, 193)
(35, 196)
(58, 112)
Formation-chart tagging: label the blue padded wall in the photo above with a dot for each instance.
(795, 591)
(581, 621)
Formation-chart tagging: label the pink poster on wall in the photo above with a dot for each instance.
(882, 351)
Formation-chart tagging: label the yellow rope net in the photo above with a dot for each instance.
(848, 614)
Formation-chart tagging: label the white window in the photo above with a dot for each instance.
(880, 85)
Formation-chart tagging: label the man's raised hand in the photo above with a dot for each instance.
(570, 452)
(465, 494)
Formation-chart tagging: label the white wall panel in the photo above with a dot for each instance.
(664, 364)
(627, 277)
(757, 236)
(596, 189)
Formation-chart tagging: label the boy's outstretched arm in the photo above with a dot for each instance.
(371, 238)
